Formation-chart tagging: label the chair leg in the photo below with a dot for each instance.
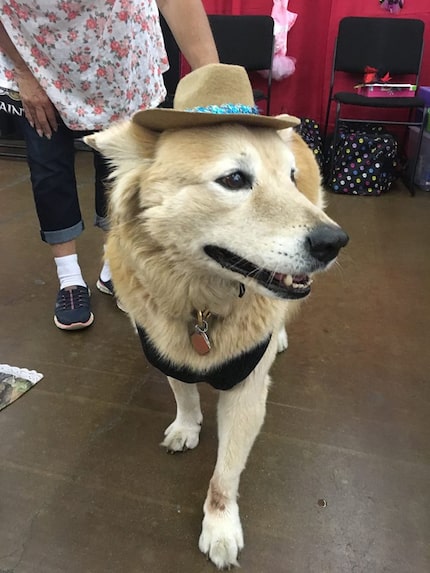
(414, 163)
(409, 175)
(268, 98)
(416, 155)
(333, 144)
(327, 115)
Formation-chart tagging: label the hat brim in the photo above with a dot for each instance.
(161, 119)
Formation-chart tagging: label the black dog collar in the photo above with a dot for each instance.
(222, 377)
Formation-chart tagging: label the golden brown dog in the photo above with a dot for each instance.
(215, 233)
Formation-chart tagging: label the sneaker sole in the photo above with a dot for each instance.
(103, 289)
(74, 325)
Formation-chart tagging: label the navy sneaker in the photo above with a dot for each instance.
(107, 288)
(72, 309)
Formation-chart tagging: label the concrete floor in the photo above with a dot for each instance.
(85, 486)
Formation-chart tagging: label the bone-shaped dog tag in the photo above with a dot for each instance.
(200, 340)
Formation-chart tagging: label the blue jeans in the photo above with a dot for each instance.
(52, 171)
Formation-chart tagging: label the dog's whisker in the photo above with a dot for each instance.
(255, 272)
(339, 268)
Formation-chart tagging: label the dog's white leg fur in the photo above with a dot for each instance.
(183, 433)
(241, 414)
(282, 339)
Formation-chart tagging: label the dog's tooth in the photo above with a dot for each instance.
(288, 280)
(299, 286)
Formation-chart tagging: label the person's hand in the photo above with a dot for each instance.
(38, 108)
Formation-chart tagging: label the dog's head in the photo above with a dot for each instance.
(237, 202)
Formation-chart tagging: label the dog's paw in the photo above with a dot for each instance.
(282, 340)
(222, 537)
(180, 436)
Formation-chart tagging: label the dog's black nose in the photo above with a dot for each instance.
(325, 242)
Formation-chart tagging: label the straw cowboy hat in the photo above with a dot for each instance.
(212, 94)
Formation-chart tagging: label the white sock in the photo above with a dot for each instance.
(69, 271)
(105, 273)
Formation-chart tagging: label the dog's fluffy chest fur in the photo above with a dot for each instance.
(236, 325)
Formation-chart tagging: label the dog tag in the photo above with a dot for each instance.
(200, 340)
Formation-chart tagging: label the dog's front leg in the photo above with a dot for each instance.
(241, 413)
(282, 339)
(183, 433)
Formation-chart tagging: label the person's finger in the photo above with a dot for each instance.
(42, 118)
(52, 117)
(41, 123)
(38, 108)
(28, 112)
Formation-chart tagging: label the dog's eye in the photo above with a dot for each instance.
(293, 175)
(235, 181)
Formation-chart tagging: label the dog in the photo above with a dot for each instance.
(217, 226)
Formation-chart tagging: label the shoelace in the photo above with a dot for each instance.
(73, 298)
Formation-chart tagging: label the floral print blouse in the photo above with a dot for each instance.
(99, 61)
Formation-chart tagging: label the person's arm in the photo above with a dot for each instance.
(189, 25)
(37, 106)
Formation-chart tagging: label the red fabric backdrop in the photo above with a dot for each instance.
(311, 42)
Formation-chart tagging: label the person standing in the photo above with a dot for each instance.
(79, 67)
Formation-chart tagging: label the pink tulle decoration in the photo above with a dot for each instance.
(283, 65)
(392, 6)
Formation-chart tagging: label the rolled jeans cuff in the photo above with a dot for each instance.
(62, 235)
(101, 222)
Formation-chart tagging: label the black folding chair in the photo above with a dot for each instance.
(390, 45)
(246, 41)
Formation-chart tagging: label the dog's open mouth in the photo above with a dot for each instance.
(283, 285)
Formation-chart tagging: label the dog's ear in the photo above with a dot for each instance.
(286, 134)
(125, 142)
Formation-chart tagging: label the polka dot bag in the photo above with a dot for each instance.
(309, 130)
(365, 161)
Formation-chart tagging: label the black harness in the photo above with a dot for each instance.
(222, 377)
